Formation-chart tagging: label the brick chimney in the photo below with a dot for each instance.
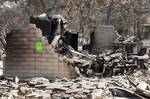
(25, 61)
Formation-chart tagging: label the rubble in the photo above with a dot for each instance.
(101, 76)
(79, 88)
(117, 61)
(107, 64)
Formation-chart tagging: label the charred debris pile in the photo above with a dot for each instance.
(123, 67)
(79, 88)
(125, 58)
(123, 55)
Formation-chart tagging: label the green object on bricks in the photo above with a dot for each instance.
(39, 46)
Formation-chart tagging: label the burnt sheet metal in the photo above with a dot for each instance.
(118, 93)
(58, 25)
(50, 25)
(43, 23)
(71, 38)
